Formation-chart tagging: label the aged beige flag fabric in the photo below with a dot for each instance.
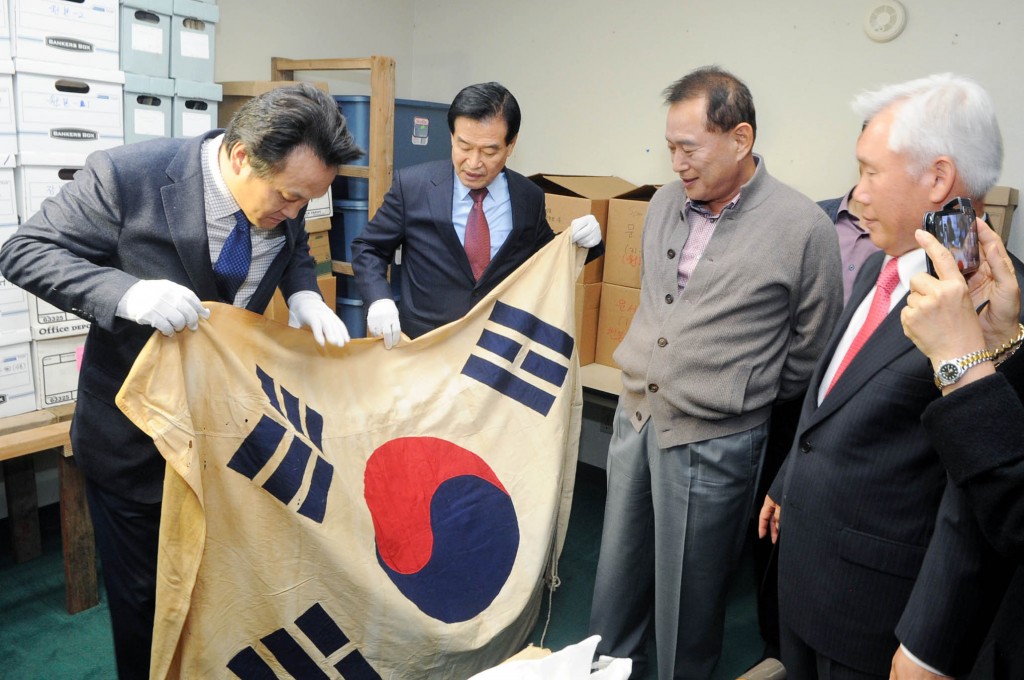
(362, 512)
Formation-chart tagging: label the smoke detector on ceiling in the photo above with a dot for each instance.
(885, 20)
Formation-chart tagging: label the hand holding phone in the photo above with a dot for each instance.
(954, 227)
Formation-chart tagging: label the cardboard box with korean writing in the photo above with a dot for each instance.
(570, 196)
(618, 304)
(622, 255)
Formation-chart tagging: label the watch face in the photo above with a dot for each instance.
(948, 372)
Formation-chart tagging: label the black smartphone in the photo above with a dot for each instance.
(954, 226)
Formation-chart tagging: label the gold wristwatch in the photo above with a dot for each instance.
(951, 370)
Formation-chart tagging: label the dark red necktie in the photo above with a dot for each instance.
(887, 280)
(478, 235)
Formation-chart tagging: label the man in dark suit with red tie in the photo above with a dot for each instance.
(879, 561)
(463, 225)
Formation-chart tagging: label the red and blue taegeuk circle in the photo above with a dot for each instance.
(446, 529)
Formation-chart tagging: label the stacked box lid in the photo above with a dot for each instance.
(146, 37)
(192, 43)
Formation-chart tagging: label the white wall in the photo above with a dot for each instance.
(250, 32)
(589, 75)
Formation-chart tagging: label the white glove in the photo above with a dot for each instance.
(382, 321)
(305, 308)
(586, 232)
(162, 304)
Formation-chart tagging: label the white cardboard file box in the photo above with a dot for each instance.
(8, 197)
(146, 37)
(17, 388)
(67, 109)
(192, 28)
(5, 31)
(55, 368)
(148, 107)
(46, 321)
(41, 176)
(8, 126)
(13, 304)
(78, 32)
(195, 107)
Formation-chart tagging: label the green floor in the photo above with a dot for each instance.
(39, 640)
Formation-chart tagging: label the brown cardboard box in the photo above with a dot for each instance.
(618, 304)
(588, 300)
(320, 249)
(319, 224)
(1000, 203)
(237, 92)
(622, 254)
(278, 308)
(570, 196)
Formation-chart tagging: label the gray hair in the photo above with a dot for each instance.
(942, 115)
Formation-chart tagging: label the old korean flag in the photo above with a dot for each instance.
(357, 512)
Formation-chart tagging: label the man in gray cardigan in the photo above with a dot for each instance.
(740, 288)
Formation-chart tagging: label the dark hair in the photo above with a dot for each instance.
(483, 102)
(729, 100)
(275, 123)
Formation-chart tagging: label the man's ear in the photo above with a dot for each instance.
(942, 180)
(239, 158)
(743, 137)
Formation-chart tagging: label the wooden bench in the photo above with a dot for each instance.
(21, 436)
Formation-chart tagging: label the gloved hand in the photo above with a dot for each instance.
(382, 322)
(586, 232)
(305, 308)
(162, 304)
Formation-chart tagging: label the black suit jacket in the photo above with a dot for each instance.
(978, 432)
(133, 212)
(861, 492)
(437, 284)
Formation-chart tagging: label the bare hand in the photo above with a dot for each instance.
(996, 283)
(940, 315)
(905, 669)
(769, 519)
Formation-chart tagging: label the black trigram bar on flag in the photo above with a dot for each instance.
(503, 376)
(286, 480)
(325, 634)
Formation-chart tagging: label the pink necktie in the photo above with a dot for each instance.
(887, 280)
(478, 235)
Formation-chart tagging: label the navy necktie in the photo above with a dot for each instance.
(233, 262)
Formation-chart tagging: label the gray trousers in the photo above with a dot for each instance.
(674, 527)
